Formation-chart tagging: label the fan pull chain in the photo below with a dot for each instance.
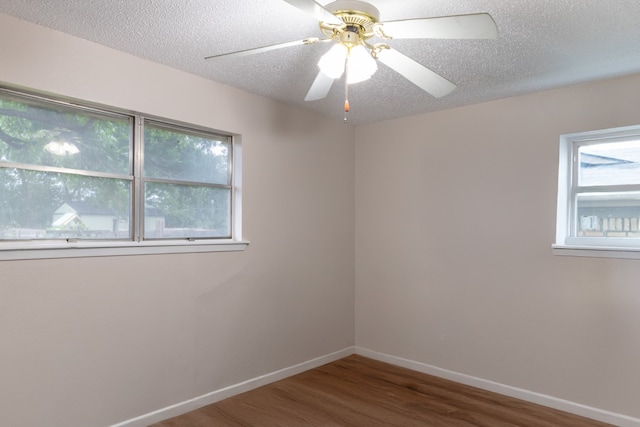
(346, 89)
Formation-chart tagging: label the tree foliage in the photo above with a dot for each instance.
(195, 166)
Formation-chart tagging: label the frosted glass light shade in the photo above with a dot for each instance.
(332, 62)
(361, 65)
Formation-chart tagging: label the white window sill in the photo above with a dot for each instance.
(45, 250)
(596, 252)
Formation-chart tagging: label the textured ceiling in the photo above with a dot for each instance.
(541, 44)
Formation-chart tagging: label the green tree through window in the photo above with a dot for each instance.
(69, 172)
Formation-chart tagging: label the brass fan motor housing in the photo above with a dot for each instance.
(356, 15)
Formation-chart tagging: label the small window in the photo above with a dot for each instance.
(599, 189)
(71, 173)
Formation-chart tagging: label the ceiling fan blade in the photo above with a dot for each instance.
(416, 73)
(262, 49)
(474, 26)
(320, 87)
(316, 10)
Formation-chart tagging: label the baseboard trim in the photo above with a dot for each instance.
(529, 396)
(223, 393)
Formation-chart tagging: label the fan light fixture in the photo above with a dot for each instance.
(351, 54)
(359, 62)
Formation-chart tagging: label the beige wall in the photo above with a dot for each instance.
(455, 216)
(92, 342)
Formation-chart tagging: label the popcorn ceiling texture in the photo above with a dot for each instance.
(542, 44)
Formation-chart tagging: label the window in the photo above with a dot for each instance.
(74, 176)
(186, 182)
(599, 190)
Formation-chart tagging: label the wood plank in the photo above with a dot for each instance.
(357, 391)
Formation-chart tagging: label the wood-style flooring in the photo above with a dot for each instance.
(357, 391)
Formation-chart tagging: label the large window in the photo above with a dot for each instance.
(71, 173)
(599, 189)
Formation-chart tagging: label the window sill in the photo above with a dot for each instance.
(596, 252)
(46, 250)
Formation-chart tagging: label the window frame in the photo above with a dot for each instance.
(135, 244)
(567, 243)
(144, 179)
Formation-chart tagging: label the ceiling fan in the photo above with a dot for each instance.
(350, 24)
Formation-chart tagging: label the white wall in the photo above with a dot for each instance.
(455, 215)
(95, 341)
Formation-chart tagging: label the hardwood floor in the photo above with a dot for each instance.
(357, 391)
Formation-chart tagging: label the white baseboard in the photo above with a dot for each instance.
(529, 396)
(218, 395)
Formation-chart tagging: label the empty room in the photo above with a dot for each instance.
(213, 209)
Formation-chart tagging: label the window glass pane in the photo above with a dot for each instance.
(47, 205)
(608, 214)
(616, 163)
(182, 211)
(175, 154)
(48, 134)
